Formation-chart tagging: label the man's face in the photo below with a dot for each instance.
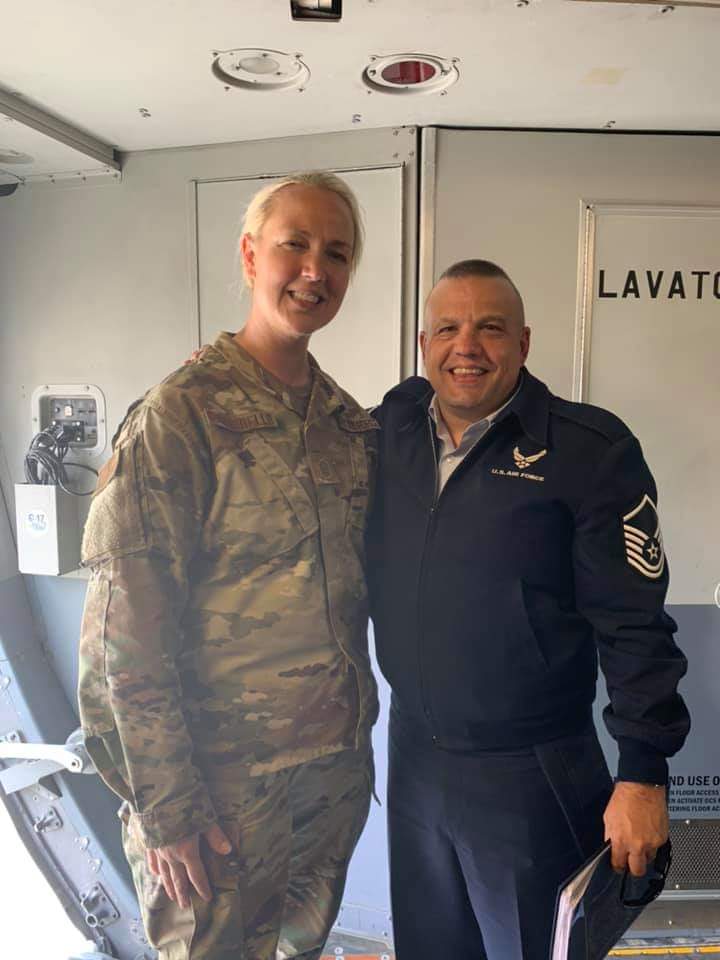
(474, 344)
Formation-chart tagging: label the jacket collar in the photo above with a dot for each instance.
(531, 404)
(250, 376)
(327, 389)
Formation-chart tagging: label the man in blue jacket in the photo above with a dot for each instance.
(515, 539)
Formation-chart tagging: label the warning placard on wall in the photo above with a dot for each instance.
(695, 795)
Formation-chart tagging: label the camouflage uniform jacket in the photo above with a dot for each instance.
(225, 625)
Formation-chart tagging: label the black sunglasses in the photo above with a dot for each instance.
(640, 891)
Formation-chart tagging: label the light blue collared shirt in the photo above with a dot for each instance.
(450, 456)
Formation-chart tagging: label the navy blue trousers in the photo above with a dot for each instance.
(479, 843)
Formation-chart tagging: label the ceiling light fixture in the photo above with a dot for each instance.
(252, 68)
(410, 73)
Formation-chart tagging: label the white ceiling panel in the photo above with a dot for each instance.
(541, 63)
(27, 155)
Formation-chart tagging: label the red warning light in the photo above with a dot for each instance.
(408, 72)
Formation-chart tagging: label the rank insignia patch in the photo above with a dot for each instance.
(643, 539)
(524, 460)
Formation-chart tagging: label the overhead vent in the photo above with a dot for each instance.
(255, 69)
(409, 73)
(329, 11)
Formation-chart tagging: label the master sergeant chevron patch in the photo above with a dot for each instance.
(643, 539)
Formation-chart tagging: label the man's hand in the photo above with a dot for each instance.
(636, 824)
(180, 865)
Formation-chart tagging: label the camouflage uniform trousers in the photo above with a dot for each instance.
(278, 893)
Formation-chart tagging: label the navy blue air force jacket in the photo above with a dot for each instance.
(492, 600)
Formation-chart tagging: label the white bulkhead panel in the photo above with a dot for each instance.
(651, 339)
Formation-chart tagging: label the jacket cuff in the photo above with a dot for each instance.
(170, 822)
(641, 763)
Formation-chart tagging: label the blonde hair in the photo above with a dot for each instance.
(261, 205)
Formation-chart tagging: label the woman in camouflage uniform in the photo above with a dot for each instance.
(225, 686)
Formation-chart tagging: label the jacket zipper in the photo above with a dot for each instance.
(421, 576)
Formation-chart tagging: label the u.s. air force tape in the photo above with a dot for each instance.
(643, 539)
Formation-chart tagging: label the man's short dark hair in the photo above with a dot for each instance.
(479, 268)
(476, 268)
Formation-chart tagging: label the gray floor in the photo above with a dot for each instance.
(677, 920)
(346, 945)
(681, 926)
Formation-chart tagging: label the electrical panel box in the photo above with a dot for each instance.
(329, 11)
(79, 407)
(48, 529)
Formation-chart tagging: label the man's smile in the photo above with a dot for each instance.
(467, 373)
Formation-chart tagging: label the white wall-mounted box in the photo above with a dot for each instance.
(48, 531)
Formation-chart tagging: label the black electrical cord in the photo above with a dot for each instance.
(45, 460)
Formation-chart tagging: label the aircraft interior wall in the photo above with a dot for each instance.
(515, 196)
(8, 557)
(98, 285)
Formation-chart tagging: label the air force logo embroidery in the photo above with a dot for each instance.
(522, 460)
(643, 539)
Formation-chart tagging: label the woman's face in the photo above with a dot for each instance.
(299, 264)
